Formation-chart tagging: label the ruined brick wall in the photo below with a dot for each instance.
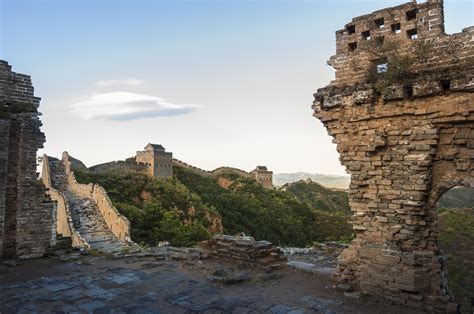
(27, 227)
(62, 226)
(117, 223)
(404, 142)
(244, 251)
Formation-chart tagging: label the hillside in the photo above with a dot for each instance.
(273, 215)
(158, 209)
(156, 206)
(330, 181)
(316, 196)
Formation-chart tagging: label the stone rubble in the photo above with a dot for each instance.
(244, 251)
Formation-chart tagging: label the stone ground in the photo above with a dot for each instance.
(160, 284)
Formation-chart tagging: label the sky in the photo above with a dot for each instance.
(215, 82)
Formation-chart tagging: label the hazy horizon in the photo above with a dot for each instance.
(215, 82)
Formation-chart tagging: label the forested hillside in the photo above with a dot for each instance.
(189, 207)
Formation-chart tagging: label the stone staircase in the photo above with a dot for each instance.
(86, 217)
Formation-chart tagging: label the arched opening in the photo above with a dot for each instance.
(455, 209)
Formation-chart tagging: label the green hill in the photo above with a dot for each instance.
(274, 215)
(318, 197)
(162, 209)
(158, 210)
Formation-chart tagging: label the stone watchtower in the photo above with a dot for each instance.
(160, 162)
(401, 112)
(263, 176)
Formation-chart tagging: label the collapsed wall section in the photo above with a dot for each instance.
(401, 112)
(27, 227)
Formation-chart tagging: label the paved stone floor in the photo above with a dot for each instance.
(95, 284)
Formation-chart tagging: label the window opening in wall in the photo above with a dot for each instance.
(380, 22)
(351, 29)
(412, 33)
(408, 91)
(445, 85)
(382, 67)
(366, 35)
(352, 46)
(411, 15)
(396, 28)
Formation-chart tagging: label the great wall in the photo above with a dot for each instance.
(84, 211)
(405, 140)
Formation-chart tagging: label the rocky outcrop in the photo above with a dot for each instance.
(405, 139)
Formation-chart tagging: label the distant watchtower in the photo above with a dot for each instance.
(263, 176)
(160, 162)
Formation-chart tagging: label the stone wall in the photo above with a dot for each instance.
(117, 223)
(202, 172)
(27, 227)
(121, 167)
(64, 224)
(244, 251)
(404, 145)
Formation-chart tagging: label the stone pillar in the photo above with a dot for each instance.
(27, 227)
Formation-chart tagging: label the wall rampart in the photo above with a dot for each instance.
(64, 224)
(118, 224)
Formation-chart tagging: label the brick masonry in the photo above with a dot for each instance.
(27, 227)
(404, 145)
(244, 250)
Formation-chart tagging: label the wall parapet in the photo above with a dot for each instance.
(117, 223)
(64, 223)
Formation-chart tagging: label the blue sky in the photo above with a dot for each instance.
(216, 82)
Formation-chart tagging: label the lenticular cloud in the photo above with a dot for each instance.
(122, 106)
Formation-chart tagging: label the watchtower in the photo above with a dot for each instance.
(160, 162)
(263, 176)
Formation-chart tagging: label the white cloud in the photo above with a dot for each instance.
(123, 106)
(119, 83)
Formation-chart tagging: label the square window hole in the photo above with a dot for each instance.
(382, 67)
(445, 85)
(396, 28)
(352, 46)
(408, 91)
(351, 29)
(412, 33)
(366, 35)
(380, 22)
(411, 15)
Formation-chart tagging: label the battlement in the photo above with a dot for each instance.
(406, 41)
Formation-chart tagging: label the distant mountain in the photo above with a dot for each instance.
(318, 197)
(330, 181)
